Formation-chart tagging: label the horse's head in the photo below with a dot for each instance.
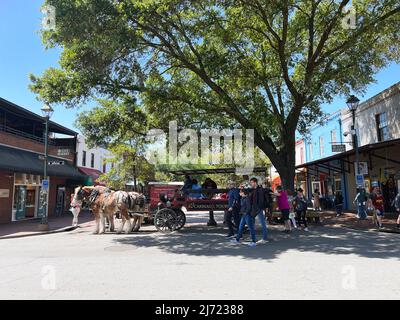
(80, 194)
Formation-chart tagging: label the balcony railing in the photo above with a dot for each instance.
(23, 134)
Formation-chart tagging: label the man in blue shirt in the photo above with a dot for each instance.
(195, 186)
(232, 214)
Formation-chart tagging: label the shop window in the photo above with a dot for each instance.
(338, 185)
(382, 127)
(20, 178)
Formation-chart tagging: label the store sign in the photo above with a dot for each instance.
(4, 193)
(56, 163)
(301, 176)
(63, 152)
(360, 180)
(45, 184)
(362, 166)
(338, 148)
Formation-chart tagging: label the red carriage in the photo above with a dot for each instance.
(166, 200)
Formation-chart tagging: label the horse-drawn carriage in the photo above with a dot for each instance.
(167, 200)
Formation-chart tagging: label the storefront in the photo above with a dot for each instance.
(20, 185)
(379, 165)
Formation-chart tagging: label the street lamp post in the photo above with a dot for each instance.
(47, 112)
(352, 104)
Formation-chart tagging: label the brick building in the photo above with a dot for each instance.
(22, 160)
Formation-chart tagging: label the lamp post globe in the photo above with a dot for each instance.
(47, 111)
(352, 103)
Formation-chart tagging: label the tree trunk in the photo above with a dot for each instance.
(285, 160)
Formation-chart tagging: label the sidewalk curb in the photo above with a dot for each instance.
(367, 230)
(64, 229)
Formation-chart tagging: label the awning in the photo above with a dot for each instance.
(93, 173)
(17, 160)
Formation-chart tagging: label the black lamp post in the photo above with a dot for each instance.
(352, 104)
(47, 112)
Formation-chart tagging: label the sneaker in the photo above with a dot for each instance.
(305, 229)
(230, 235)
(261, 241)
(398, 226)
(234, 241)
(252, 244)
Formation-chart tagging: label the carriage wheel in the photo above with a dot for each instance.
(164, 220)
(180, 219)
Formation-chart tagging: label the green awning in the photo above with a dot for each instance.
(17, 160)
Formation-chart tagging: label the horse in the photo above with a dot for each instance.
(105, 203)
(137, 201)
(100, 201)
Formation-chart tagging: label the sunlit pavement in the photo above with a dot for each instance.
(199, 263)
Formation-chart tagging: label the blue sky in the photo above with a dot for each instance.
(22, 53)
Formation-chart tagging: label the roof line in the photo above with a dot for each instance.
(38, 117)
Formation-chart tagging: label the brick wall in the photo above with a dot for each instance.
(24, 143)
(6, 182)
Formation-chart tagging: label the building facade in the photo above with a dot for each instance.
(22, 135)
(92, 161)
(377, 122)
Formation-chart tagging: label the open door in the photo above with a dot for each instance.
(20, 202)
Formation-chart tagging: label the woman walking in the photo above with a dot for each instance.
(284, 207)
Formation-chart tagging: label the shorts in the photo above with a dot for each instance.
(379, 213)
(285, 214)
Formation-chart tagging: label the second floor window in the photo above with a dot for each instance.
(104, 167)
(321, 146)
(83, 158)
(333, 136)
(92, 160)
(301, 155)
(382, 126)
(311, 150)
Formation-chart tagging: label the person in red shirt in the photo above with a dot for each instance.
(379, 203)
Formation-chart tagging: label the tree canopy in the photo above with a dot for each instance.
(266, 65)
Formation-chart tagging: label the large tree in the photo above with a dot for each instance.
(266, 65)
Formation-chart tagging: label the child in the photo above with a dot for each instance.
(379, 204)
(247, 218)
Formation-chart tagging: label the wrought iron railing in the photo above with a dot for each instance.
(23, 134)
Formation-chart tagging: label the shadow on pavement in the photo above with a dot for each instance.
(199, 240)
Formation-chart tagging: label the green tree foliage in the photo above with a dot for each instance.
(259, 64)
